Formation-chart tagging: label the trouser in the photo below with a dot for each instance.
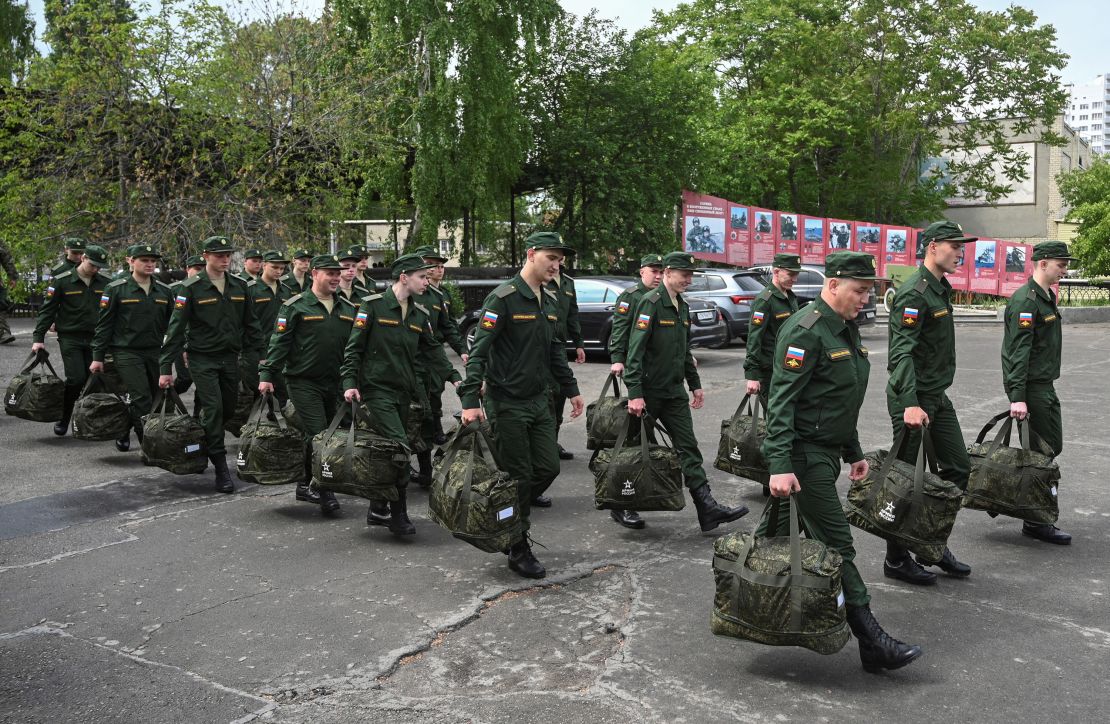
(184, 377)
(138, 368)
(5, 330)
(764, 390)
(248, 370)
(217, 390)
(558, 404)
(948, 444)
(389, 413)
(316, 402)
(1044, 415)
(524, 431)
(76, 358)
(674, 414)
(821, 515)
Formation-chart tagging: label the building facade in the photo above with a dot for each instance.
(1087, 112)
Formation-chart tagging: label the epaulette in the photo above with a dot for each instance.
(190, 281)
(421, 307)
(653, 295)
(504, 290)
(291, 299)
(251, 283)
(118, 282)
(371, 297)
(162, 283)
(64, 274)
(550, 292)
(809, 320)
(921, 286)
(765, 294)
(341, 298)
(1032, 292)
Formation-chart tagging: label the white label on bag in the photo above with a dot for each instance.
(325, 470)
(12, 400)
(1053, 491)
(506, 513)
(840, 599)
(192, 448)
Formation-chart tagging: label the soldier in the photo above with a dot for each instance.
(360, 268)
(267, 294)
(213, 321)
(6, 261)
(306, 351)
(515, 353)
(770, 310)
(134, 313)
(693, 236)
(651, 274)
(1031, 349)
(349, 288)
(72, 305)
(74, 251)
(298, 279)
(382, 366)
(252, 264)
(568, 329)
(184, 381)
(658, 362)
(820, 376)
(922, 365)
(446, 330)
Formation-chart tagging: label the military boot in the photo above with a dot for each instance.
(627, 518)
(377, 513)
(69, 399)
(711, 513)
(900, 565)
(440, 436)
(877, 649)
(523, 561)
(423, 476)
(399, 523)
(305, 491)
(949, 564)
(224, 484)
(328, 503)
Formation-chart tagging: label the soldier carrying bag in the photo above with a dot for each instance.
(641, 477)
(470, 496)
(271, 451)
(742, 436)
(172, 438)
(34, 394)
(100, 415)
(904, 503)
(357, 460)
(1017, 482)
(779, 591)
(605, 416)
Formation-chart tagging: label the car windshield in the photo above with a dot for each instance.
(750, 282)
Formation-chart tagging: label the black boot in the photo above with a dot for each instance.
(439, 437)
(124, 443)
(877, 649)
(565, 454)
(423, 477)
(377, 513)
(69, 399)
(541, 501)
(711, 513)
(627, 518)
(224, 483)
(900, 565)
(949, 565)
(523, 561)
(307, 494)
(1047, 532)
(328, 504)
(399, 523)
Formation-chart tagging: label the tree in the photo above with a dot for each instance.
(1087, 192)
(17, 36)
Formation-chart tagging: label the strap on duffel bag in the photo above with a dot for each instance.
(601, 415)
(40, 401)
(991, 485)
(100, 415)
(743, 456)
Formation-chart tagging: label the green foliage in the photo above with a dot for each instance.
(17, 36)
(1087, 192)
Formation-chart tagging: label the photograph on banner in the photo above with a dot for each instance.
(868, 238)
(919, 244)
(739, 249)
(1016, 267)
(839, 235)
(763, 236)
(813, 240)
(984, 266)
(896, 245)
(704, 225)
(738, 218)
(787, 241)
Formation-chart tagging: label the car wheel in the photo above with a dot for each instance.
(469, 333)
(888, 300)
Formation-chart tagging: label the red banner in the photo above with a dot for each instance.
(983, 263)
(869, 239)
(959, 279)
(703, 224)
(897, 247)
(1016, 265)
(813, 240)
(763, 236)
(839, 236)
(788, 237)
(739, 246)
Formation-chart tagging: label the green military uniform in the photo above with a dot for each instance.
(246, 275)
(568, 329)
(71, 244)
(625, 310)
(770, 310)
(290, 280)
(214, 328)
(72, 306)
(8, 264)
(817, 388)
(131, 326)
(446, 330)
(267, 302)
(184, 379)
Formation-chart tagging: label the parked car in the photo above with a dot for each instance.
(732, 290)
(808, 287)
(597, 298)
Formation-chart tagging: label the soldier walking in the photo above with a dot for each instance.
(770, 310)
(568, 329)
(298, 279)
(267, 295)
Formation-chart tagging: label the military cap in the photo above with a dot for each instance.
(351, 252)
(136, 250)
(651, 260)
(360, 250)
(75, 243)
(790, 262)
(194, 261)
(326, 261)
(97, 255)
(946, 231)
(428, 252)
(275, 257)
(302, 254)
(851, 265)
(253, 254)
(547, 240)
(217, 245)
(1052, 250)
(407, 264)
(681, 260)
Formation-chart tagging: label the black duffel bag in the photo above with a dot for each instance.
(1017, 482)
(172, 438)
(641, 476)
(271, 451)
(470, 496)
(36, 392)
(740, 449)
(779, 591)
(904, 503)
(605, 416)
(244, 403)
(356, 460)
(102, 415)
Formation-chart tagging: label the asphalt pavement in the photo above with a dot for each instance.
(129, 594)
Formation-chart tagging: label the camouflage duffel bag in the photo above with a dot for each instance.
(470, 497)
(100, 415)
(486, 428)
(289, 412)
(779, 591)
(414, 424)
(904, 503)
(356, 460)
(244, 403)
(173, 439)
(605, 416)
(740, 450)
(271, 451)
(1017, 482)
(36, 392)
(640, 476)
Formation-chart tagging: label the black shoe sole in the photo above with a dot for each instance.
(402, 533)
(633, 526)
(225, 490)
(526, 574)
(950, 572)
(123, 446)
(544, 504)
(566, 456)
(737, 516)
(63, 432)
(899, 576)
(1054, 541)
(877, 669)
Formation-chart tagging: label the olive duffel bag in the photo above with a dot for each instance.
(173, 439)
(605, 416)
(36, 392)
(356, 460)
(100, 415)
(740, 449)
(640, 476)
(1017, 482)
(271, 451)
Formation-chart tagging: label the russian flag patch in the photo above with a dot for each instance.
(50, 291)
(643, 321)
(489, 319)
(909, 316)
(757, 318)
(281, 322)
(623, 308)
(1025, 319)
(360, 319)
(104, 301)
(795, 357)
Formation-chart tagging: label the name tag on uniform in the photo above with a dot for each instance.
(122, 301)
(863, 351)
(161, 301)
(415, 328)
(260, 300)
(553, 318)
(313, 318)
(209, 300)
(783, 315)
(345, 317)
(78, 291)
(524, 317)
(437, 307)
(389, 322)
(238, 299)
(1050, 318)
(839, 354)
(940, 313)
(666, 322)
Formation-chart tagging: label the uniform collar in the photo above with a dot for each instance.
(830, 318)
(1041, 291)
(776, 292)
(941, 286)
(523, 288)
(643, 289)
(391, 298)
(665, 295)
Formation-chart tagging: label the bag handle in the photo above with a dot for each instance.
(165, 400)
(1029, 437)
(751, 409)
(614, 381)
(925, 455)
(36, 361)
(991, 423)
(266, 405)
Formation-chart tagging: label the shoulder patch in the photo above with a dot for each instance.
(765, 294)
(341, 298)
(550, 292)
(422, 308)
(251, 283)
(652, 296)
(504, 290)
(64, 274)
(921, 286)
(290, 300)
(117, 282)
(163, 284)
(1032, 292)
(190, 281)
(371, 297)
(809, 320)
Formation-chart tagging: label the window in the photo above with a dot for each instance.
(1096, 127)
(698, 284)
(810, 278)
(749, 282)
(1084, 117)
(1096, 116)
(1083, 107)
(589, 291)
(1096, 104)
